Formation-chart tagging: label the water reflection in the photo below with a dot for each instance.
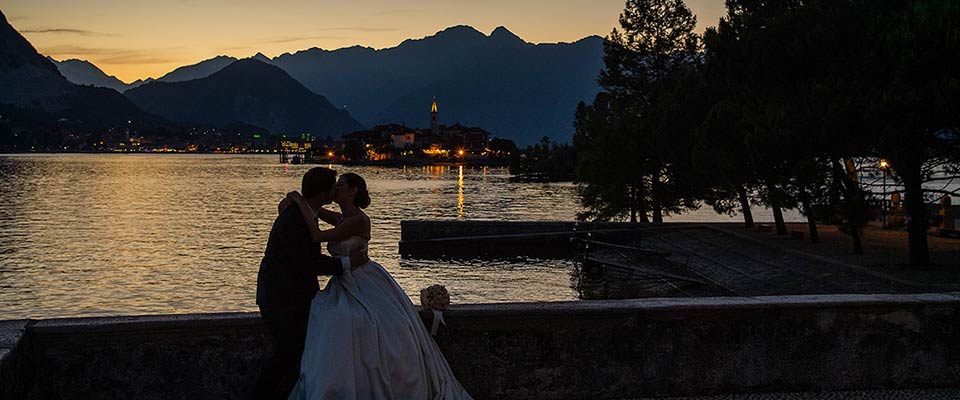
(436, 171)
(460, 195)
(88, 235)
(143, 234)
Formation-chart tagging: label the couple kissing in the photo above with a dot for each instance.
(358, 338)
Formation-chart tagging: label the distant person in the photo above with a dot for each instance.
(287, 283)
(365, 339)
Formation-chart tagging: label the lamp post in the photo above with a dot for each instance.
(884, 166)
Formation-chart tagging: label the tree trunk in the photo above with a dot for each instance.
(641, 197)
(633, 204)
(655, 195)
(811, 221)
(778, 216)
(852, 198)
(745, 208)
(917, 211)
(857, 245)
(778, 220)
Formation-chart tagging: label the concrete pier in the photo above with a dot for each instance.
(597, 349)
(497, 239)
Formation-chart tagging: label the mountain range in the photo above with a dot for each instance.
(512, 88)
(83, 72)
(249, 91)
(31, 84)
(499, 82)
(38, 100)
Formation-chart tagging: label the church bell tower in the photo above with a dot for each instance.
(434, 119)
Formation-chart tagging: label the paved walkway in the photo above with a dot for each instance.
(914, 394)
(754, 268)
(705, 261)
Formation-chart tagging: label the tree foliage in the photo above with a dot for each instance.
(629, 162)
(784, 99)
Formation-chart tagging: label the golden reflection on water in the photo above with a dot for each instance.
(460, 195)
(436, 171)
(84, 235)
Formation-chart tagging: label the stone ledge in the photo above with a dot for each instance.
(598, 349)
(635, 306)
(11, 335)
(11, 332)
(4, 354)
(603, 308)
(152, 323)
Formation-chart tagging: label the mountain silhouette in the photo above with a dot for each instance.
(262, 58)
(86, 73)
(32, 82)
(500, 82)
(83, 72)
(248, 91)
(199, 70)
(512, 88)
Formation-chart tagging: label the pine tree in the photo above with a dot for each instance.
(656, 44)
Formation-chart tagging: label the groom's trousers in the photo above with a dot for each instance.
(288, 328)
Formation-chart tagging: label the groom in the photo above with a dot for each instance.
(287, 282)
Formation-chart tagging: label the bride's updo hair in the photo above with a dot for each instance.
(353, 180)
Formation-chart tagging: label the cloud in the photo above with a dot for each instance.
(112, 55)
(397, 11)
(236, 48)
(362, 29)
(81, 32)
(289, 39)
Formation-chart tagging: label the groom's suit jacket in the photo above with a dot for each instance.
(291, 263)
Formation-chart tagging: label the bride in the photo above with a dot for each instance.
(365, 340)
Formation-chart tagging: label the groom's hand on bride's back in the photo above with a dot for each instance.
(293, 198)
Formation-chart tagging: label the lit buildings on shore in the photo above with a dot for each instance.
(393, 141)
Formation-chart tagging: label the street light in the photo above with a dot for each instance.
(884, 166)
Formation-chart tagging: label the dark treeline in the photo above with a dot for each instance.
(545, 161)
(773, 107)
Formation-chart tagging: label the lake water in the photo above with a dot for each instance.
(131, 234)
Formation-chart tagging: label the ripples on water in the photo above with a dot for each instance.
(85, 235)
(144, 234)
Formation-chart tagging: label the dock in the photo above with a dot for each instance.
(432, 239)
(621, 261)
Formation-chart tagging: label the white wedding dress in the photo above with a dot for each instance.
(365, 340)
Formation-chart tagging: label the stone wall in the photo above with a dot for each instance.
(12, 368)
(601, 349)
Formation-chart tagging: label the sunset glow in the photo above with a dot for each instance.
(139, 39)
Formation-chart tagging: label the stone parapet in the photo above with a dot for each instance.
(596, 349)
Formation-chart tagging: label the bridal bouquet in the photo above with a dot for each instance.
(435, 298)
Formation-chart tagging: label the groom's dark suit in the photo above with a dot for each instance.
(286, 284)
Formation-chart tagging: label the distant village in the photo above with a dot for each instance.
(390, 144)
(398, 144)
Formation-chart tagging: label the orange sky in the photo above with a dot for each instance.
(135, 39)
